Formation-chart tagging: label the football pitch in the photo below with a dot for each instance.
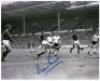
(20, 65)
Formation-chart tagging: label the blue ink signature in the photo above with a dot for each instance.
(53, 61)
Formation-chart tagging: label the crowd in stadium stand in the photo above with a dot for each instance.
(25, 41)
(32, 40)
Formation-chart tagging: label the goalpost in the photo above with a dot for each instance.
(58, 19)
(24, 24)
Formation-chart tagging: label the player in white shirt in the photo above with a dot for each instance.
(43, 47)
(47, 44)
(50, 40)
(50, 43)
(56, 43)
(94, 45)
(44, 43)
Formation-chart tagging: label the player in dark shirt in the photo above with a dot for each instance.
(42, 37)
(76, 43)
(74, 37)
(6, 38)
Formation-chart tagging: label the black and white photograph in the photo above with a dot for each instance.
(49, 40)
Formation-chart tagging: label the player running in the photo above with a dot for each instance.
(76, 43)
(42, 37)
(50, 43)
(6, 38)
(56, 43)
(47, 43)
(95, 41)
